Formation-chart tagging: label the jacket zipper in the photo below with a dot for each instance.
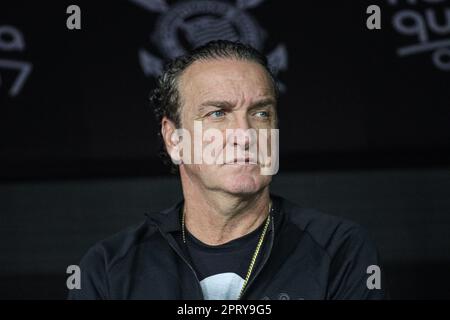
(199, 289)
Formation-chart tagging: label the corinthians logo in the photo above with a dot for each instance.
(188, 24)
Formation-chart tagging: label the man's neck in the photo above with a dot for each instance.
(216, 218)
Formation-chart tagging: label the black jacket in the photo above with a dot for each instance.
(309, 255)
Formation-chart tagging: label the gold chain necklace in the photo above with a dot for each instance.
(255, 254)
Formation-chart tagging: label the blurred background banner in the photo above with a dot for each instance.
(364, 124)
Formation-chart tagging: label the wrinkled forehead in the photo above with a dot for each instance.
(236, 81)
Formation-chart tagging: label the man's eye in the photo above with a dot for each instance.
(262, 114)
(216, 114)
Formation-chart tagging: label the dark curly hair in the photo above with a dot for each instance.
(164, 98)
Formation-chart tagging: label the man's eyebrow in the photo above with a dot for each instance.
(263, 103)
(228, 105)
(215, 103)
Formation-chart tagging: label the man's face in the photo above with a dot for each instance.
(226, 94)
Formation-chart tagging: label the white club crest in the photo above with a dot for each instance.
(188, 24)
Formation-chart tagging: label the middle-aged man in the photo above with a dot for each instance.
(229, 238)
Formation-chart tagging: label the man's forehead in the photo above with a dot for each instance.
(226, 80)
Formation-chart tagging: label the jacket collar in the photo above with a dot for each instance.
(169, 220)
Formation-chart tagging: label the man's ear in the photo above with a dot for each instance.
(171, 139)
(167, 132)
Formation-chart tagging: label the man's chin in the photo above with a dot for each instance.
(243, 184)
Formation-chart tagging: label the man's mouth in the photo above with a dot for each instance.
(242, 161)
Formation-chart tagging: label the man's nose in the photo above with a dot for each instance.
(242, 135)
(242, 123)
